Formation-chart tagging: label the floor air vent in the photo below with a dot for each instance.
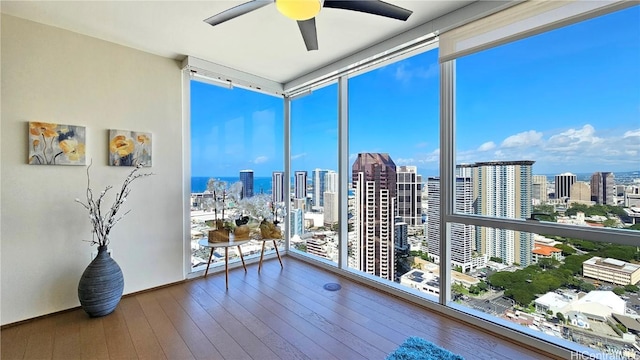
(332, 286)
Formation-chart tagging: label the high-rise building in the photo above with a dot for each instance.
(603, 188)
(580, 193)
(300, 185)
(539, 190)
(503, 189)
(331, 181)
(246, 178)
(330, 207)
(462, 235)
(409, 194)
(277, 187)
(374, 183)
(296, 222)
(318, 183)
(401, 240)
(563, 184)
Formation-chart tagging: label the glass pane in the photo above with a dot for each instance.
(236, 145)
(548, 128)
(574, 290)
(393, 145)
(314, 164)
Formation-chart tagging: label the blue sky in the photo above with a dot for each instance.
(568, 99)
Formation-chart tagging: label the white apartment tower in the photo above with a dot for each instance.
(539, 193)
(563, 184)
(300, 185)
(330, 207)
(318, 183)
(409, 194)
(277, 187)
(503, 189)
(462, 235)
(374, 182)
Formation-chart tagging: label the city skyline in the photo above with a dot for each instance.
(580, 117)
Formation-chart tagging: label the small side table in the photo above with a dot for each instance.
(275, 245)
(226, 246)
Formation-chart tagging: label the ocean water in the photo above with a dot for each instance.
(260, 184)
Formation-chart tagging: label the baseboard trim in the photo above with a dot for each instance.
(6, 326)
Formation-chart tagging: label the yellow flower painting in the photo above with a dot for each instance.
(56, 144)
(129, 148)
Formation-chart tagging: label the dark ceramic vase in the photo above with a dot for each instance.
(101, 285)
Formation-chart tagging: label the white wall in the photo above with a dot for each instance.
(54, 75)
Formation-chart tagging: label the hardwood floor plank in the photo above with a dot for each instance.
(334, 315)
(40, 343)
(317, 320)
(249, 342)
(275, 314)
(13, 342)
(198, 343)
(142, 335)
(93, 341)
(117, 335)
(320, 298)
(66, 342)
(217, 335)
(244, 296)
(450, 333)
(170, 340)
(279, 345)
(418, 319)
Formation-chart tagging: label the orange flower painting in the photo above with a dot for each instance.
(56, 144)
(129, 148)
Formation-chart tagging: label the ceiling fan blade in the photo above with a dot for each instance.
(309, 34)
(237, 11)
(375, 7)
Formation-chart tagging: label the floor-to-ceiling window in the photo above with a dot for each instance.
(548, 129)
(393, 150)
(313, 215)
(236, 148)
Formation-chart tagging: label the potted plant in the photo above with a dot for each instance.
(223, 198)
(101, 285)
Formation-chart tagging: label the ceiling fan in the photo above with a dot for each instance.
(304, 12)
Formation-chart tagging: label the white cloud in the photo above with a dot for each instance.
(579, 149)
(489, 145)
(298, 156)
(406, 73)
(523, 139)
(572, 139)
(632, 133)
(403, 161)
(260, 160)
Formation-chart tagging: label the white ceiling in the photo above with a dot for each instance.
(262, 43)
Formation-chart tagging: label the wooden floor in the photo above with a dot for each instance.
(278, 314)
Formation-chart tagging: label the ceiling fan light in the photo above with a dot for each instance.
(299, 9)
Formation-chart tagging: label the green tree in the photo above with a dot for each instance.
(573, 263)
(618, 290)
(560, 317)
(634, 227)
(548, 263)
(495, 259)
(610, 223)
(566, 249)
(586, 287)
(631, 288)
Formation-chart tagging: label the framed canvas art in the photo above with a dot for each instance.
(56, 144)
(129, 148)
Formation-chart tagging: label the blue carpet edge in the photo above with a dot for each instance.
(416, 348)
